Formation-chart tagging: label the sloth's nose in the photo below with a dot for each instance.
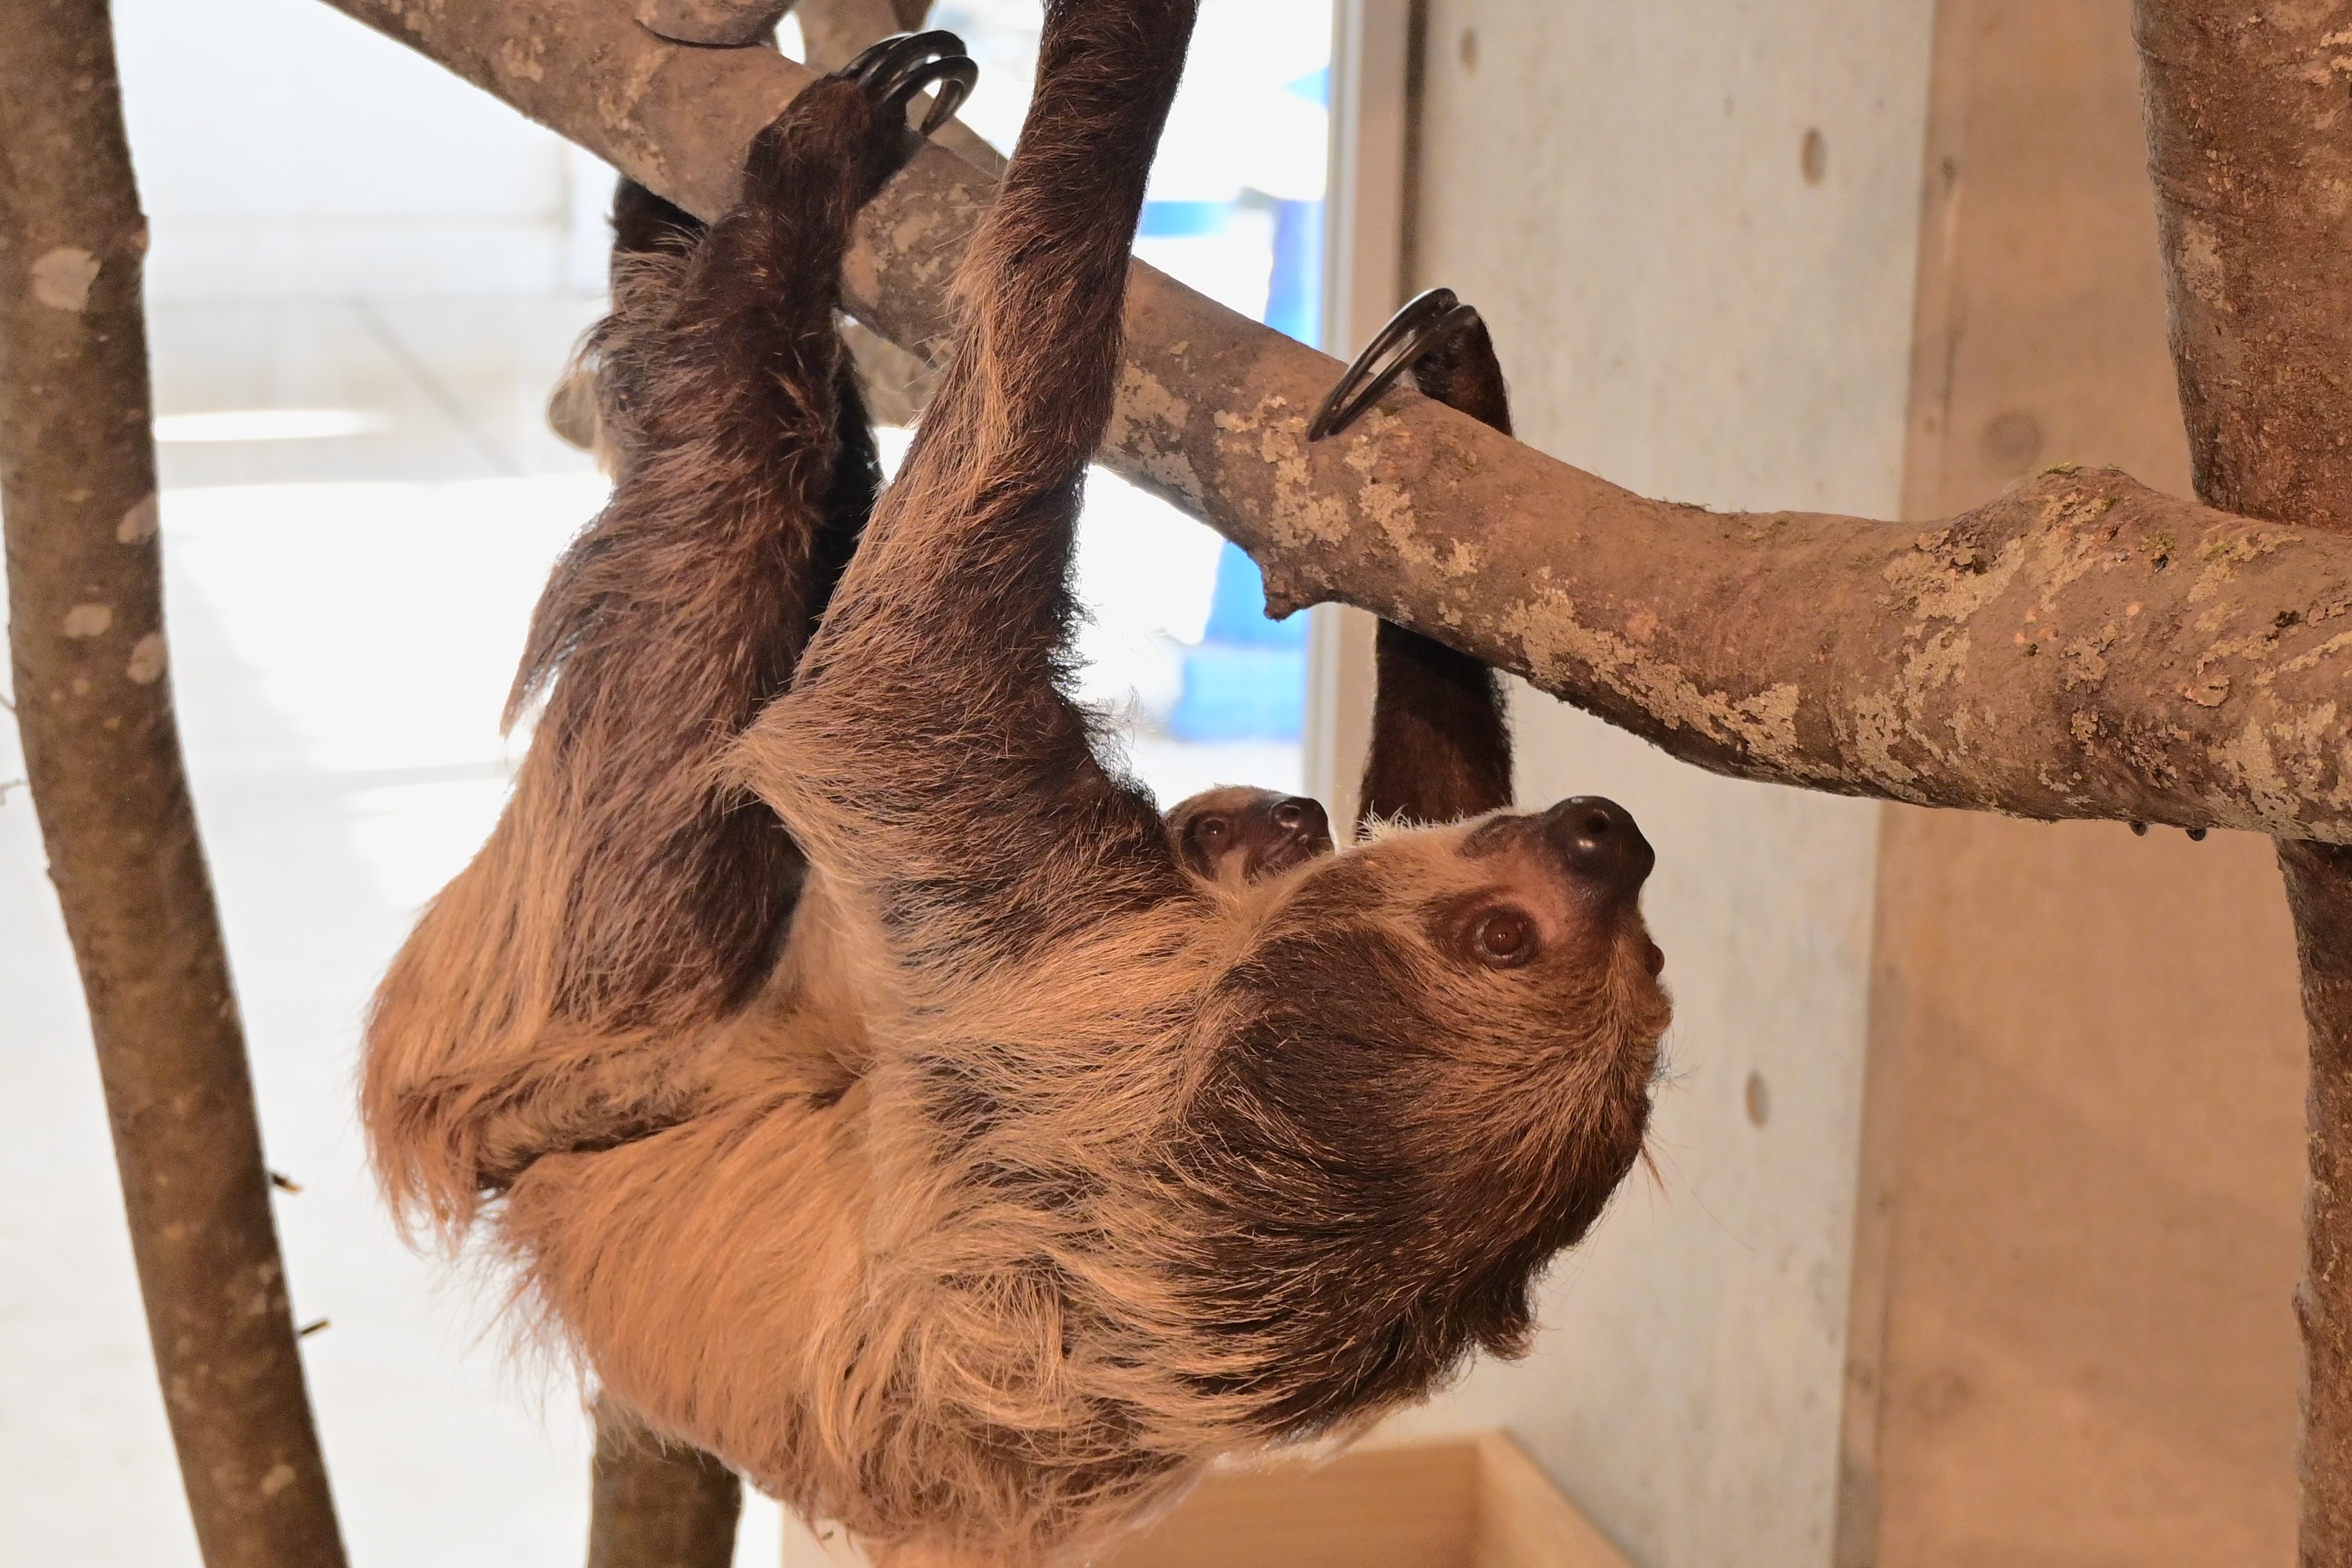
(1601, 846)
(1302, 820)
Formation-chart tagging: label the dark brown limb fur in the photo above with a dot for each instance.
(654, 1504)
(1441, 743)
(629, 892)
(973, 783)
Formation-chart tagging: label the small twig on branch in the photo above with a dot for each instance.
(2250, 146)
(85, 602)
(2081, 647)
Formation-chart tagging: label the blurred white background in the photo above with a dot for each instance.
(365, 277)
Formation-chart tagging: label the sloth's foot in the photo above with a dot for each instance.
(896, 70)
(857, 116)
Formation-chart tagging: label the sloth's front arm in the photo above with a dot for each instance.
(628, 895)
(929, 759)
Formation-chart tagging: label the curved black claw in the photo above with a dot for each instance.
(896, 70)
(1420, 324)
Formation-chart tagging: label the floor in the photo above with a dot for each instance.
(360, 499)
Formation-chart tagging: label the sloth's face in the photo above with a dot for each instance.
(1235, 836)
(1436, 1073)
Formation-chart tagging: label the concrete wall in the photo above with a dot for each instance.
(1688, 304)
(1974, 1231)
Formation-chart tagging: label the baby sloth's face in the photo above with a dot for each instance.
(1234, 835)
(1433, 1071)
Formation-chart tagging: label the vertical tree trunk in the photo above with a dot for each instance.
(656, 1506)
(2319, 895)
(94, 703)
(2250, 145)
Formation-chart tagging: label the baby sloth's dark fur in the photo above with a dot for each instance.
(837, 1046)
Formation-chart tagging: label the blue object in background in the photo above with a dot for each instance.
(1294, 295)
(1182, 220)
(1237, 606)
(1247, 678)
(1236, 692)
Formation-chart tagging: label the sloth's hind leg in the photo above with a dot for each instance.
(631, 897)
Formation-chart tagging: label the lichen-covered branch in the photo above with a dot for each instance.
(94, 706)
(2250, 146)
(2082, 647)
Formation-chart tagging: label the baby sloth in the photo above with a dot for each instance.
(861, 1076)
(1235, 835)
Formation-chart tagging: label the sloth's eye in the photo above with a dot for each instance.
(1503, 939)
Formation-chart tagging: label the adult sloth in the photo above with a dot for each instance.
(1032, 1171)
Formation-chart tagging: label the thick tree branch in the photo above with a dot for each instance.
(85, 632)
(2250, 145)
(2082, 647)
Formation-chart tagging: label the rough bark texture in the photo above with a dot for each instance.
(722, 23)
(2082, 647)
(656, 1506)
(94, 703)
(2319, 895)
(837, 30)
(2250, 145)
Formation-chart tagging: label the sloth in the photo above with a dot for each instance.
(1440, 748)
(859, 1078)
(1235, 835)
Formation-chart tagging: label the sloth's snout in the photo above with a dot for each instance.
(1602, 849)
(1304, 821)
(1299, 830)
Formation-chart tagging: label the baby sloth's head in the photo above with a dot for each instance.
(1430, 1069)
(1235, 836)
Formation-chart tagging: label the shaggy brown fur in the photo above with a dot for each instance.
(631, 893)
(1020, 1171)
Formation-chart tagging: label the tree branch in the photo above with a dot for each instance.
(2250, 146)
(2081, 647)
(85, 604)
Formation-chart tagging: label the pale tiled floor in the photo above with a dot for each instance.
(344, 615)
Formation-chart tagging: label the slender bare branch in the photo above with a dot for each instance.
(2250, 144)
(2082, 647)
(86, 630)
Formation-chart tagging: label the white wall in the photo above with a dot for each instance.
(283, 151)
(1621, 190)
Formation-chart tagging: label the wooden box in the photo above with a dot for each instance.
(1458, 1503)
